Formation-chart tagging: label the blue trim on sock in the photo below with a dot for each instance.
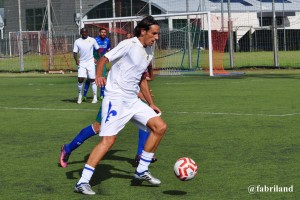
(145, 160)
(89, 169)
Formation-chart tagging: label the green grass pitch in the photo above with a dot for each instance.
(240, 130)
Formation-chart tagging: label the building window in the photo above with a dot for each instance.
(268, 21)
(35, 18)
(122, 9)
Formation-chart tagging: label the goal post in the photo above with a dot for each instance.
(172, 50)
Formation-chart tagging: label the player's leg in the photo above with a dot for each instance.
(143, 136)
(158, 127)
(80, 83)
(82, 136)
(94, 88)
(102, 88)
(82, 74)
(86, 89)
(145, 116)
(91, 75)
(95, 157)
(115, 116)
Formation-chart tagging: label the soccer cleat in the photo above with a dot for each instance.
(146, 176)
(138, 157)
(84, 98)
(63, 160)
(79, 101)
(84, 188)
(95, 100)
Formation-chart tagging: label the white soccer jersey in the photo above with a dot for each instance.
(85, 48)
(129, 61)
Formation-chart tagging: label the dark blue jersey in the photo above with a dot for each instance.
(104, 44)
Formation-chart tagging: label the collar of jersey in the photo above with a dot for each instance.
(135, 39)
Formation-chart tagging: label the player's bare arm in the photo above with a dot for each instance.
(150, 72)
(100, 80)
(75, 58)
(145, 90)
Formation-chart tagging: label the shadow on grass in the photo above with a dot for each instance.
(110, 155)
(103, 171)
(74, 100)
(175, 192)
(70, 100)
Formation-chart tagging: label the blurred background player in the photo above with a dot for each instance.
(104, 44)
(86, 66)
(128, 35)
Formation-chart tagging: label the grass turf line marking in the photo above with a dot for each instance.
(201, 113)
(240, 114)
(48, 109)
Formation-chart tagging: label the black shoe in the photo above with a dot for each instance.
(138, 157)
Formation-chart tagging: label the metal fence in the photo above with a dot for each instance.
(253, 48)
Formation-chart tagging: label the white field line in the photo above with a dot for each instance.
(49, 109)
(239, 114)
(175, 112)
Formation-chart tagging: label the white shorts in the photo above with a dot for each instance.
(87, 70)
(116, 113)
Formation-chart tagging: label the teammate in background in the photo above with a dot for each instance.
(104, 44)
(86, 66)
(128, 35)
(121, 104)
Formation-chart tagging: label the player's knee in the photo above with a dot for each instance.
(108, 141)
(161, 128)
(96, 127)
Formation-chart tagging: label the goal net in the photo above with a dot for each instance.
(184, 45)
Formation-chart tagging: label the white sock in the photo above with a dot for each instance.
(80, 88)
(146, 158)
(87, 174)
(94, 88)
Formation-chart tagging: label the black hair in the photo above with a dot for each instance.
(83, 29)
(145, 25)
(101, 29)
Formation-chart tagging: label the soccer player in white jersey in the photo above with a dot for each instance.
(86, 66)
(130, 59)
